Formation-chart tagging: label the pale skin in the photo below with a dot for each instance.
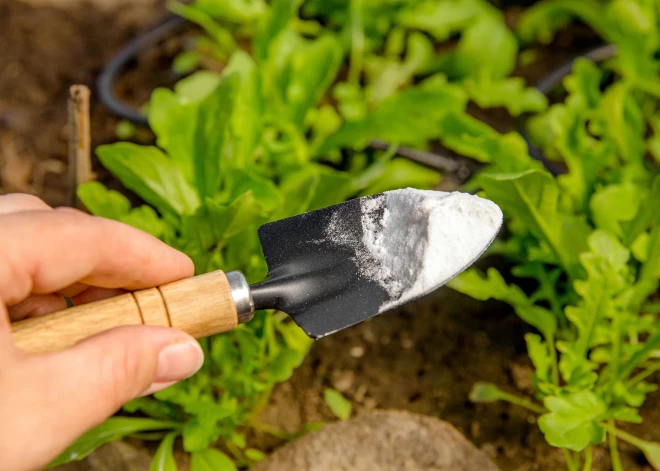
(47, 401)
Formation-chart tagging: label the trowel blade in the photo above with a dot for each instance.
(335, 267)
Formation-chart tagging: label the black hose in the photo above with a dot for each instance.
(105, 82)
(105, 87)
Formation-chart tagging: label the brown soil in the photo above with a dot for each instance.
(423, 358)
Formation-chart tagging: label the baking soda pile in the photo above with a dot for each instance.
(414, 241)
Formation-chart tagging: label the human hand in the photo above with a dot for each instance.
(47, 401)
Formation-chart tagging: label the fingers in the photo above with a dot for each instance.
(47, 251)
(18, 202)
(95, 294)
(84, 385)
(36, 305)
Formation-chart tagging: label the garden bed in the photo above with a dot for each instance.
(424, 358)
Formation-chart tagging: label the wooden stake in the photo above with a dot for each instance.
(80, 160)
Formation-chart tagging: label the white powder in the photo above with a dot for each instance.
(414, 241)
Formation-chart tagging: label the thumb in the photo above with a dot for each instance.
(65, 394)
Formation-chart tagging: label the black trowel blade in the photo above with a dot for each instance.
(316, 266)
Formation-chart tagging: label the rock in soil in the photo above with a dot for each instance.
(381, 441)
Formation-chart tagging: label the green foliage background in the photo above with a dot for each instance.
(284, 128)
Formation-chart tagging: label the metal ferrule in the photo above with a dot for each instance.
(240, 293)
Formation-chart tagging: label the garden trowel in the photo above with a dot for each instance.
(328, 269)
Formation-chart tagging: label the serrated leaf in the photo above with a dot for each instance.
(573, 420)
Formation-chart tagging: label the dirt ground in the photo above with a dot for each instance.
(423, 358)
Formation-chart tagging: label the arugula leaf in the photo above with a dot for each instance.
(213, 118)
(487, 48)
(312, 68)
(338, 404)
(509, 93)
(409, 117)
(442, 19)
(164, 458)
(112, 429)
(173, 120)
(211, 460)
(150, 174)
(493, 286)
(272, 23)
(573, 420)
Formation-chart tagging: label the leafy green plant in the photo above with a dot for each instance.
(280, 124)
(234, 150)
(589, 240)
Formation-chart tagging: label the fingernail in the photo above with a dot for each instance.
(179, 361)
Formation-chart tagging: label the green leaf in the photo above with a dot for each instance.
(273, 22)
(540, 355)
(312, 68)
(339, 405)
(508, 92)
(486, 392)
(487, 48)
(572, 422)
(254, 455)
(164, 458)
(493, 286)
(246, 125)
(282, 366)
(150, 174)
(624, 122)
(211, 459)
(173, 120)
(185, 62)
(442, 19)
(197, 86)
(114, 428)
(616, 204)
(409, 117)
(473, 138)
(403, 173)
(103, 202)
(125, 129)
(234, 11)
(531, 197)
(211, 135)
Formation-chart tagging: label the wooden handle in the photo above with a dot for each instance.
(201, 306)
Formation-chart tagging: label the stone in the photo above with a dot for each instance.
(381, 441)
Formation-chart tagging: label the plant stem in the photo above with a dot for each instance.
(614, 450)
(648, 371)
(270, 430)
(519, 401)
(553, 356)
(588, 459)
(625, 436)
(357, 41)
(569, 460)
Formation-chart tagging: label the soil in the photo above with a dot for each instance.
(423, 358)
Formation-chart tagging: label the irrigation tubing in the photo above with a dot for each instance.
(105, 87)
(174, 23)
